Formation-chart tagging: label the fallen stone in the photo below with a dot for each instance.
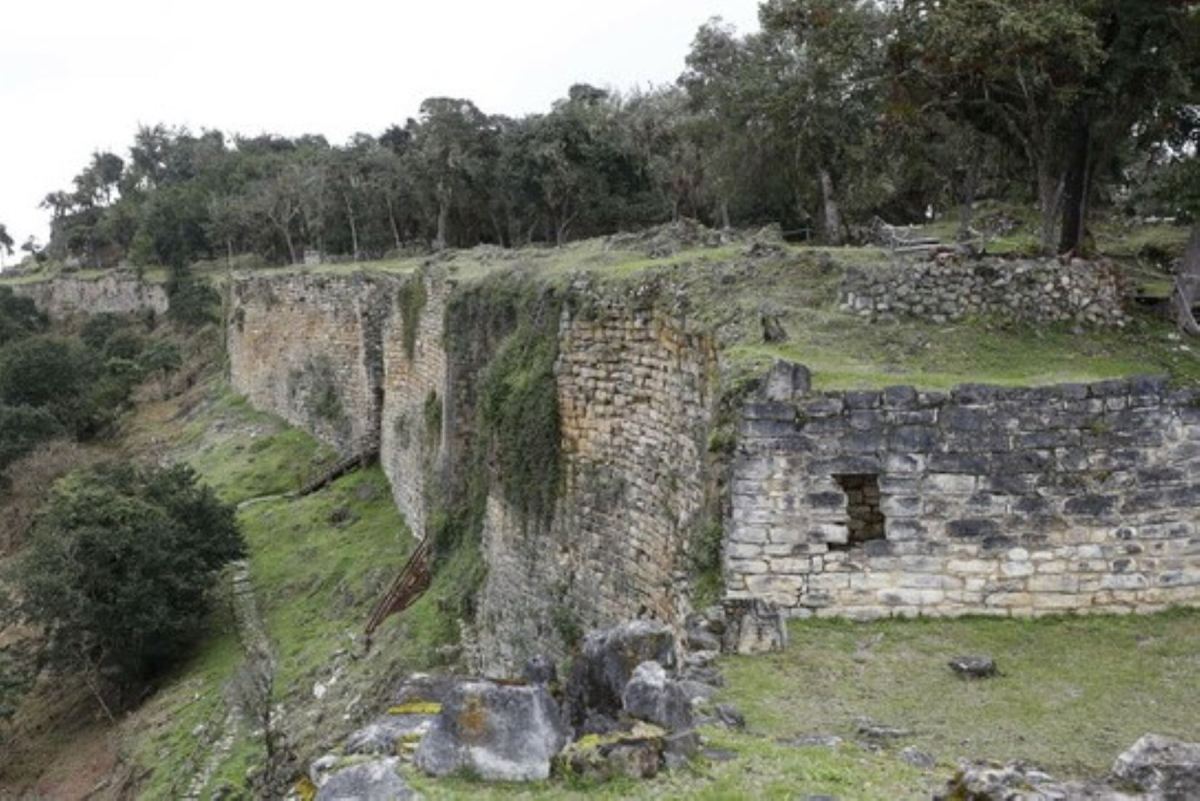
(635, 754)
(652, 697)
(606, 663)
(382, 736)
(377, 780)
(973, 667)
(876, 732)
(753, 627)
(918, 759)
(719, 754)
(812, 741)
(1157, 764)
(679, 747)
(730, 716)
(1016, 781)
(700, 640)
(498, 732)
(697, 692)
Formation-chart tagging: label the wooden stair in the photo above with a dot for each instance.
(407, 588)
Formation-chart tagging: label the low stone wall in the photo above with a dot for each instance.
(114, 292)
(995, 501)
(1041, 291)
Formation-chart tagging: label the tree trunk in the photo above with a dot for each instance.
(392, 220)
(725, 225)
(1050, 189)
(443, 222)
(832, 214)
(353, 226)
(968, 189)
(1077, 183)
(1187, 286)
(287, 235)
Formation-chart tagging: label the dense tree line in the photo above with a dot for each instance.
(837, 111)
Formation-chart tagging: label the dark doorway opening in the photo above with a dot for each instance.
(864, 518)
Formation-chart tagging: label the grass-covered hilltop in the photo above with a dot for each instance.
(824, 424)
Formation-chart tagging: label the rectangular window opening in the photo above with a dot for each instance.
(864, 518)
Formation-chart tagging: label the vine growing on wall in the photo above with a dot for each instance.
(411, 297)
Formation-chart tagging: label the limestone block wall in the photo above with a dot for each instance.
(414, 391)
(116, 292)
(309, 349)
(1030, 290)
(995, 501)
(636, 391)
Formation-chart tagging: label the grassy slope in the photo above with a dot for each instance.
(317, 564)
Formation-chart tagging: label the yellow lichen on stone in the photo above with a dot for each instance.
(416, 708)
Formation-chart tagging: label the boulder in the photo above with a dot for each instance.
(385, 734)
(635, 754)
(605, 664)
(1164, 765)
(653, 697)
(753, 627)
(498, 732)
(376, 780)
(973, 667)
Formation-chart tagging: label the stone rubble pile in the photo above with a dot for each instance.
(629, 708)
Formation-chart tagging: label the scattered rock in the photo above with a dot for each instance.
(377, 780)
(754, 627)
(973, 667)
(730, 716)
(652, 697)
(499, 732)
(606, 663)
(679, 748)
(636, 754)
(699, 639)
(719, 754)
(772, 329)
(1016, 781)
(696, 691)
(875, 732)
(1158, 764)
(918, 759)
(812, 741)
(382, 736)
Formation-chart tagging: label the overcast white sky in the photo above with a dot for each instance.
(80, 75)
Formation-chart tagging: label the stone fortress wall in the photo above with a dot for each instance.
(116, 292)
(863, 504)
(986, 500)
(635, 387)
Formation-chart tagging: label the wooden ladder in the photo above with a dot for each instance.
(407, 588)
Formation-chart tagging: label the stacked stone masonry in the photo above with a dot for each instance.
(636, 393)
(306, 347)
(636, 388)
(1041, 291)
(995, 501)
(113, 292)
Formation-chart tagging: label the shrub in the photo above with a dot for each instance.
(19, 317)
(23, 428)
(52, 372)
(119, 567)
(193, 302)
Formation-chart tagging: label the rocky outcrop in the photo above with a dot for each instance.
(606, 663)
